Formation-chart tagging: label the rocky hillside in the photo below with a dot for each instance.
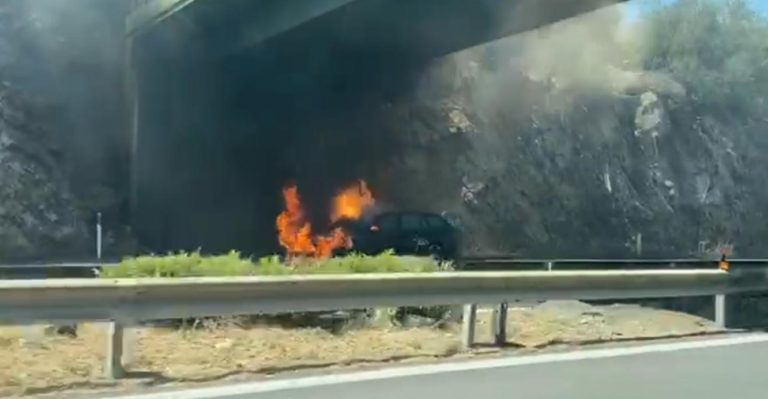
(577, 141)
(589, 138)
(57, 125)
(38, 214)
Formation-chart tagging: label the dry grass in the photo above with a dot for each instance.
(51, 363)
(216, 353)
(577, 323)
(32, 362)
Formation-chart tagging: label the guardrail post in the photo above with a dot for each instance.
(113, 366)
(549, 266)
(468, 325)
(500, 324)
(720, 315)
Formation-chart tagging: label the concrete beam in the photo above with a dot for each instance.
(280, 16)
(424, 29)
(146, 13)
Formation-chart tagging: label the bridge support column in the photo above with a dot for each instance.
(131, 91)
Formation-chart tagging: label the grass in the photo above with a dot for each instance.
(33, 362)
(51, 364)
(194, 264)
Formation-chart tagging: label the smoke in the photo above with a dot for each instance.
(550, 72)
(52, 39)
(68, 56)
(279, 114)
(504, 104)
(579, 53)
(591, 54)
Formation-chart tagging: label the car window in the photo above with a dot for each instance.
(411, 221)
(387, 223)
(436, 222)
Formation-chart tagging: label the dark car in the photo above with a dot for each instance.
(407, 233)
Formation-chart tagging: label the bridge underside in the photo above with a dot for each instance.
(424, 29)
(421, 29)
(234, 98)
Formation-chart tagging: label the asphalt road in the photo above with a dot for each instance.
(738, 371)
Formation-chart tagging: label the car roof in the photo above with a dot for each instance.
(401, 213)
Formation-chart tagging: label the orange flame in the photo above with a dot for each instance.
(351, 202)
(294, 232)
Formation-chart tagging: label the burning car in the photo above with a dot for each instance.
(405, 232)
(355, 227)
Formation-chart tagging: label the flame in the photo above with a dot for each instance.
(351, 202)
(294, 232)
(325, 245)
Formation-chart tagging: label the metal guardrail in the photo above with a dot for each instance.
(125, 301)
(488, 263)
(50, 270)
(508, 263)
(144, 299)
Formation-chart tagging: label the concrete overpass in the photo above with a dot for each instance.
(429, 28)
(183, 57)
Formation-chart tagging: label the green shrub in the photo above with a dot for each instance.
(385, 262)
(717, 49)
(193, 264)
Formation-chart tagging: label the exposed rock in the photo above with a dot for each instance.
(38, 215)
(553, 148)
(650, 116)
(59, 112)
(553, 171)
(459, 123)
(636, 82)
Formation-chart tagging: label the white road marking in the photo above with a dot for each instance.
(410, 371)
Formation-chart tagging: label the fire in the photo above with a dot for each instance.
(294, 232)
(351, 202)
